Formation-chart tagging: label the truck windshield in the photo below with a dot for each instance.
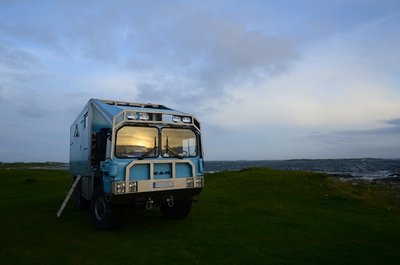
(137, 142)
(178, 143)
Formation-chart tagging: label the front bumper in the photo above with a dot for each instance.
(157, 196)
(156, 185)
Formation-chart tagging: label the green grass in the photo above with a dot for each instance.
(254, 216)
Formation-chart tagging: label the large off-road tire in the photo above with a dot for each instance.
(80, 202)
(180, 209)
(105, 216)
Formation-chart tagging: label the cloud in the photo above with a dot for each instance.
(201, 59)
(345, 80)
(395, 122)
(13, 58)
(3, 152)
(242, 67)
(2, 94)
(29, 108)
(380, 141)
(392, 129)
(17, 67)
(176, 54)
(20, 70)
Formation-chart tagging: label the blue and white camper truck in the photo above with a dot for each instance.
(135, 154)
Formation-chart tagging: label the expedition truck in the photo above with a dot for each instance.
(135, 154)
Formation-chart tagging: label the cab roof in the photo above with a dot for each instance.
(113, 108)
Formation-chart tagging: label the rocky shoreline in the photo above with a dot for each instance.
(391, 180)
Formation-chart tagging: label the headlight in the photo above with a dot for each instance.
(199, 182)
(176, 119)
(144, 116)
(138, 116)
(132, 186)
(120, 187)
(123, 187)
(186, 119)
(189, 182)
(131, 116)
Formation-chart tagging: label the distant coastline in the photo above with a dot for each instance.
(365, 169)
(35, 165)
(354, 168)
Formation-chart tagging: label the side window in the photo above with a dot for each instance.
(85, 120)
(108, 148)
(76, 132)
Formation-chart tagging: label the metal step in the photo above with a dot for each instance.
(78, 178)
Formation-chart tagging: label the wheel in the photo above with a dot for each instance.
(105, 215)
(180, 209)
(80, 202)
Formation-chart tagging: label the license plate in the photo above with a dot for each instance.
(164, 184)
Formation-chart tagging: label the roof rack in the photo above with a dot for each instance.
(133, 104)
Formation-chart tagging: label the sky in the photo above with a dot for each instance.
(267, 79)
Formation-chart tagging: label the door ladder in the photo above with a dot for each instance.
(78, 178)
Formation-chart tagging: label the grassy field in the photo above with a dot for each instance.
(254, 216)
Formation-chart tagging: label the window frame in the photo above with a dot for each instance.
(179, 128)
(135, 126)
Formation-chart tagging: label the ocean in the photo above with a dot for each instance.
(364, 168)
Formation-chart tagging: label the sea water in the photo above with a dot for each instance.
(365, 168)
